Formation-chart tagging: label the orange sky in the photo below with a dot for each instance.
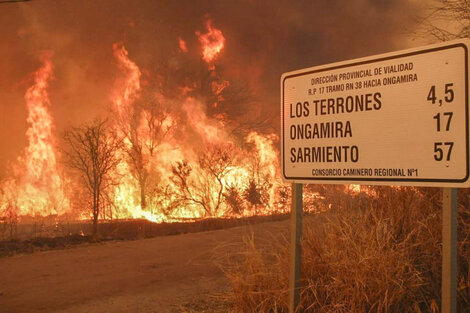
(263, 40)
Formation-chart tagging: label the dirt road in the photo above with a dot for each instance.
(160, 274)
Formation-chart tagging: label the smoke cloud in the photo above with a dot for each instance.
(263, 40)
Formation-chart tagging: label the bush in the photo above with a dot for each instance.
(380, 255)
(234, 200)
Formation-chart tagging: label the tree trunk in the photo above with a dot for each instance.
(96, 212)
(95, 226)
(143, 202)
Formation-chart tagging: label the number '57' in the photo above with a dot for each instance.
(439, 152)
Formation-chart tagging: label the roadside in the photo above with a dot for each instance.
(164, 274)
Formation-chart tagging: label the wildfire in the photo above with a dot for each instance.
(212, 42)
(179, 160)
(37, 185)
(125, 194)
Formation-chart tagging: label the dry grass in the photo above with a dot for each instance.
(381, 254)
(210, 304)
(52, 235)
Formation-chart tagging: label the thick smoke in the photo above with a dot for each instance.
(263, 39)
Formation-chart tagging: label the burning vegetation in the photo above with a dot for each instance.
(182, 140)
(171, 147)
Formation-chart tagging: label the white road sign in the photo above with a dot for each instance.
(400, 118)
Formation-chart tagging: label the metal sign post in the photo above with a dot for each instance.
(400, 118)
(449, 250)
(295, 247)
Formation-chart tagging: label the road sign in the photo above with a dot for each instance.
(400, 118)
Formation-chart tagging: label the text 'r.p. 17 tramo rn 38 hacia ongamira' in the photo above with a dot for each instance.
(399, 118)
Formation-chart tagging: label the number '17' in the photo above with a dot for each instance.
(437, 117)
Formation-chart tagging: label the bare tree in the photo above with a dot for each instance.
(447, 19)
(205, 188)
(257, 190)
(91, 151)
(147, 128)
(215, 165)
(8, 216)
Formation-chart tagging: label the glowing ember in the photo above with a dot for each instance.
(217, 88)
(182, 45)
(212, 42)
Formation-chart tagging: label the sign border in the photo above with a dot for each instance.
(356, 62)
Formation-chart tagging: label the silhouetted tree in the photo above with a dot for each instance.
(149, 125)
(205, 187)
(91, 151)
(448, 19)
(253, 195)
(234, 200)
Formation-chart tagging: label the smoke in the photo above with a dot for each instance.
(263, 39)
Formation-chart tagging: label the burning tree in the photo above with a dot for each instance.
(8, 215)
(92, 152)
(184, 109)
(143, 122)
(148, 127)
(253, 194)
(215, 165)
(205, 189)
(234, 200)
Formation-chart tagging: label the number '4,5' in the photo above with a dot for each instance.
(449, 94)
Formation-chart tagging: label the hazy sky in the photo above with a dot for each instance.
(264, 38)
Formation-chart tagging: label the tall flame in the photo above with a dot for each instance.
(130, 88)
(38, 186)
(127, 90)
(180, 158)
(267, 160)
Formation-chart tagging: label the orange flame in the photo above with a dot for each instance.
(123, 99)
(216, 176)
(268, 160)
(212, 42)
(38, 187)
(124, 95)
(182, 45)
(202, 134)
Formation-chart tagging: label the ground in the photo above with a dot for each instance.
(164, 274)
